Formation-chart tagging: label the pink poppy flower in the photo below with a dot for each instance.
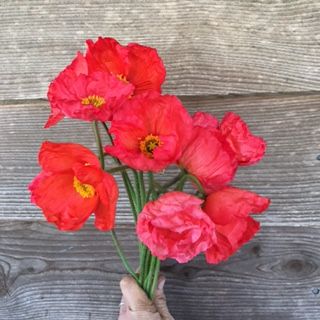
(174, 226)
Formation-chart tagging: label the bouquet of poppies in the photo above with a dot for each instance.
(118, 89)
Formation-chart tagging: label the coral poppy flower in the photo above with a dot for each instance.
(139, 65)
(77, 94)
(150, 132)
(174, 226)
(209, 158)
(230, 209)
(249, 149)
(72, 186)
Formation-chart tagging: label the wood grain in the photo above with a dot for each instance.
(47, 274)
(209, 47)
(289, 173)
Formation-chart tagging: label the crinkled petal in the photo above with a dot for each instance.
(106, 54)
(79, 65)
(229, 208)
(55, 116)
(92, 97)
(220, 251)
(146, 69)
(209, 159)
(150, 114)
(106, 209)
(174, 226)
(205, 120)
(59, 88)
(249, 149)
(60, 203)
(253, 227)
(87, 173)
(59, 157)
(222, 206)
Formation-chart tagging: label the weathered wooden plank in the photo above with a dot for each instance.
(46, 274)
(209, 47)
(289, 174)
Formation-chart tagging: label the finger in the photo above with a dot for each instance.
(143, 315)
(160, 300)
(161, 282)
(123, 306)
(135, 297)
(124, 316)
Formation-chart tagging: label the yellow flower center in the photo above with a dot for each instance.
(148, 144)
(85, 190)
(122, 78)
(94, 100)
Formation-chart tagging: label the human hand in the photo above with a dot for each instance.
(135, 305)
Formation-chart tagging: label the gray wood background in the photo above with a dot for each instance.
(257, 58)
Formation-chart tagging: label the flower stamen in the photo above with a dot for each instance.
(122, 78)
(149, 144)
(85, 190)
(93, 100)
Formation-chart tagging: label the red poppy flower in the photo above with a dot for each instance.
(72, 186)
(75, 94)
(209, 158)
(139, 65)
(229, 209)
(150, 132)
(248, 148)
(174, 226)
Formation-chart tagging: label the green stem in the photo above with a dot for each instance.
(127, 182)
(113, 233)
(152, 190)
(193, 179)
(122, 256)
(142, 189)
(153, 275)
(155, 278)
(146, 269)
(196, 182)
(173, 181)
(149, 265)
(141, 200)
(131, 195)
(143, 251)
(107, 131)
(180, 184)
(118, 169)
(138, 191)
(99, 142)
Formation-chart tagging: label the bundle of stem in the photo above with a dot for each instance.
(149, 265)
